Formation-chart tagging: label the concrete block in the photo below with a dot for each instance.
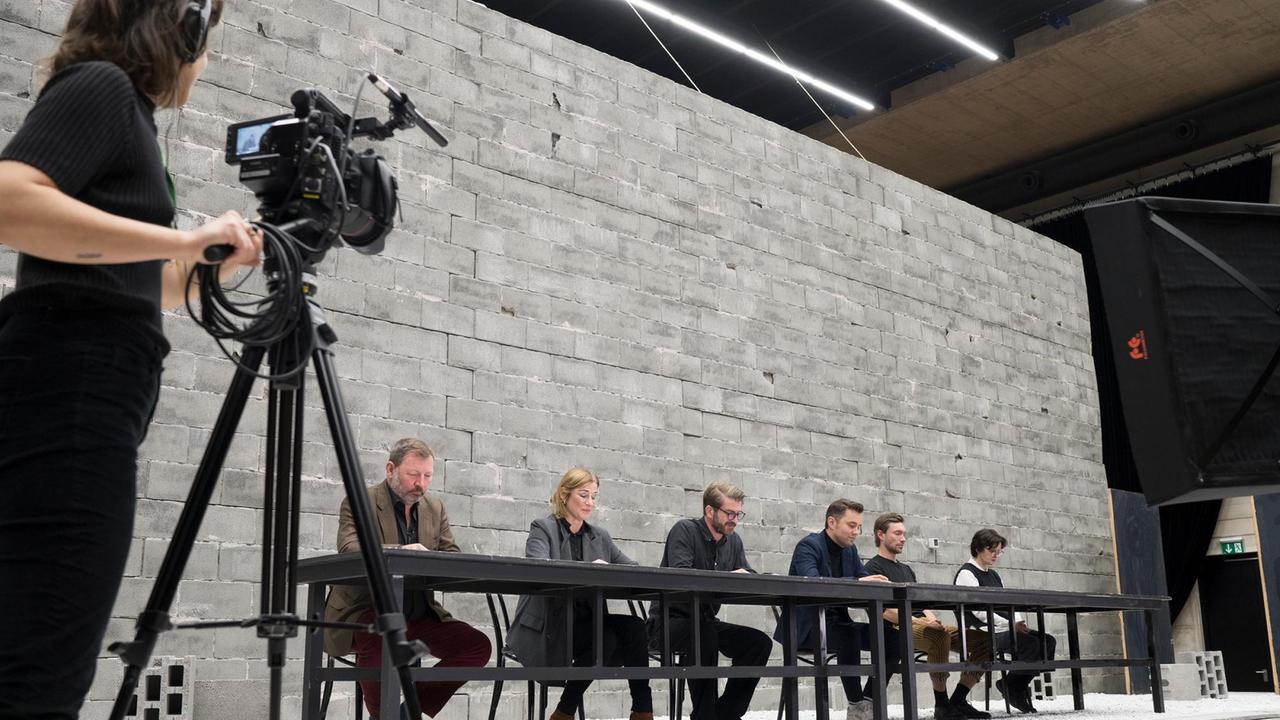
(165, 691)
(1181, 681)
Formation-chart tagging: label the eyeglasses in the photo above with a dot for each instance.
(735, 516)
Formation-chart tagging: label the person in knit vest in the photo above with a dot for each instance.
(1027, 645)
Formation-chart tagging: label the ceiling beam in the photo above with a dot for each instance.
(1175, 135)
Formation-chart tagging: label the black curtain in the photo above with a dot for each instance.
(1185, 530)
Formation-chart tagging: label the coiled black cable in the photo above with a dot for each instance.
(257, 321)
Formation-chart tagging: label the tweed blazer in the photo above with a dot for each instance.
(537, 629)
(347, 602)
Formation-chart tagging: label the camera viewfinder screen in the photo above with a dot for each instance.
(249, 138)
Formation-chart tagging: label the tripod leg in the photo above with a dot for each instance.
(155, 618)
(390, 621)
(280, 519)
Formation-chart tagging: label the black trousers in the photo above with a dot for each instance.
(847, 640)
(625, 644)
(76, 394)
(742, 645)
(1026, 647)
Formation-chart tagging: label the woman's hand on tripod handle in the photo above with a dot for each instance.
(239, 243)
(233, 232)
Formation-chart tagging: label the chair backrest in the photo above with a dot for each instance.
(501, 628)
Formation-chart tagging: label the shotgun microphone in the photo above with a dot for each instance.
(403, 108)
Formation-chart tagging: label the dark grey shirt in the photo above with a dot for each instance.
(690, 545)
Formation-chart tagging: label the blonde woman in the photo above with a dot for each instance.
(537, 637)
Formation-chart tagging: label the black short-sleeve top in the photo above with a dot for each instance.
(94, 134)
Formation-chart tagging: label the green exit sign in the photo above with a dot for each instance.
(1232, 546)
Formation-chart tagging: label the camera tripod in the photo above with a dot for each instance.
(278, 620)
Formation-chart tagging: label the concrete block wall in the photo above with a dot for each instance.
(605, 268)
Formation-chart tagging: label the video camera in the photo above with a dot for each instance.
(303, 171)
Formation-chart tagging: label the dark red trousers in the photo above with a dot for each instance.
(456, 643)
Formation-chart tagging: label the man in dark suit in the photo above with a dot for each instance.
(407, 518)
(830, 553)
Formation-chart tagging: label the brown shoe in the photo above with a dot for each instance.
(557, 715)
(641, 715)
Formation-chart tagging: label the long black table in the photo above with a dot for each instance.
(984, 601)
(465, 573)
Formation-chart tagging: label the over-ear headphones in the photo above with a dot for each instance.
(194, 29)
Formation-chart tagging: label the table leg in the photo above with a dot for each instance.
(667, 659)
(790, 685)
(821, 689)
(388, 674)
(598, 635)
(1073, 644)
(311, 654)
(568, 626)
(1157, 684)
(875, 631)
(907, 642)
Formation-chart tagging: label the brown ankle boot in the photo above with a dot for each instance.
(641, 715)
(557, 715)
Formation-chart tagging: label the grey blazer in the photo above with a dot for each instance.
(537, 629)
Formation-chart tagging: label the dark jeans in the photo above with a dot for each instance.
(456, 643)
(625, 644)
(742, 645)
(1025, 647)
(76, 394)
(847, 640)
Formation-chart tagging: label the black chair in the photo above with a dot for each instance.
(328, 690)
(500, 630)
(804, 655)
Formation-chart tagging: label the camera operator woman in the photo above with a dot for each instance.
(88, 204)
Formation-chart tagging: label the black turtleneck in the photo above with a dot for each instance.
(836, 554)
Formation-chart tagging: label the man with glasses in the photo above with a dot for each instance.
(710, 543)
(1026, 644)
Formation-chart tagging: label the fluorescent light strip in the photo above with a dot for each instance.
(933, 22)
(734, 45)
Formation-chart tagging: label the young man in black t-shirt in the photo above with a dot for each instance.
(931, 635)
